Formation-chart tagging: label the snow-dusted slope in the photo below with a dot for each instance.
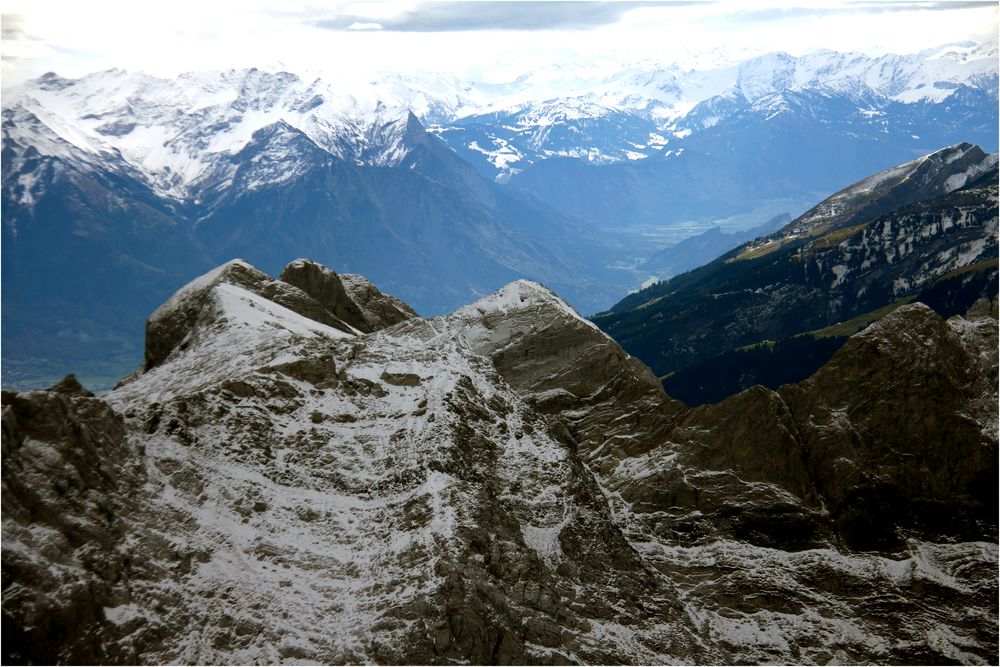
(175, 130)
(385, 498)
(929, 176)
(500, 485)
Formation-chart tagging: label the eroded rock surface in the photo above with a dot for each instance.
(380, 310)
(324, 285)
(501, 485)
(852, 496)
(68, 474)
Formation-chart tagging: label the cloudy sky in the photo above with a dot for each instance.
(487, 39)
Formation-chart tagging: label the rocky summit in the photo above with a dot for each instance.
(303, 470)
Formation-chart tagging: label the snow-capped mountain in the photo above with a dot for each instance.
(787, 148)
(135, 184)
(930, 76)
(174, 131)
(927, 177)
(635, 112)
(302, 469)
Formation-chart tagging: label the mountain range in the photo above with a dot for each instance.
(648, 110)
(119, 187)
(419, 219)
(781, 449)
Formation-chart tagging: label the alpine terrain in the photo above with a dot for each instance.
(439, 190)
(775, 309)
(135, 185)
(302, 470)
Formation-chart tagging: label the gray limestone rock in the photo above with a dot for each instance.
(380, 310)
(501, 485)
(324, 286)
(69, 472)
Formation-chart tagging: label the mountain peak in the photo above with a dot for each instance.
(52, 81)
(415, 132)
(199, 306)
(522, 295)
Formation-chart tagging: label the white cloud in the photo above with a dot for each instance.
(73, 38)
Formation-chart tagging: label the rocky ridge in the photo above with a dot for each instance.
(927, 177)
(503, 484)
(868, 247)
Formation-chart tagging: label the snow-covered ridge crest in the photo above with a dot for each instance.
(541, 344)
(518, 295)
(518, 298)
(931, 75)
(240, 310)
(193, 287)
(937, 173)
(176, 132)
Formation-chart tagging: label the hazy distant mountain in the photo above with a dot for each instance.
(702, 248)
(647, 110)
(790, 143)
(734, 139)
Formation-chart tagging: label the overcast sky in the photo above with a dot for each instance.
(489, 40)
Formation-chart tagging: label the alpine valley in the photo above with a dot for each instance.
(782, 449)
(117, 188)
(774, 309)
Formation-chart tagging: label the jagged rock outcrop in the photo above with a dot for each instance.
(69, 471)
(71, 386)
(886, 449)
(506, 485)
(324, 285)
(380, 310)
(790, 491)
(566, 367)
(896, 433)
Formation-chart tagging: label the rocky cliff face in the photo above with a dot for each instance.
(806, 524)
(500, 485)
(69, 472)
